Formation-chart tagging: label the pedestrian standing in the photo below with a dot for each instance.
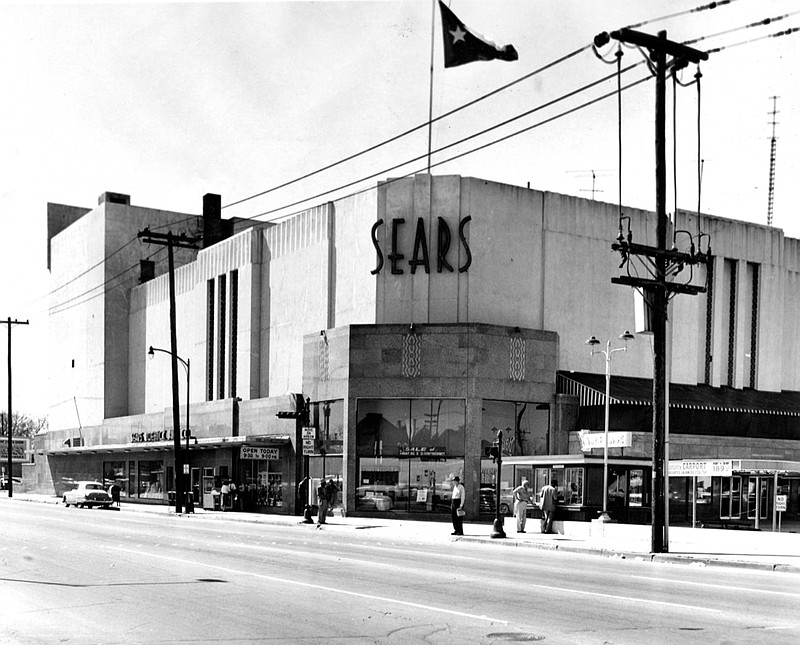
(547, 502)
(226, 495)
(457, 506)
(322, 501)
(522, 497)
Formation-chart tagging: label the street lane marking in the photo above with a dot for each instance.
(608, 596)
(309, 585)
(716, 586)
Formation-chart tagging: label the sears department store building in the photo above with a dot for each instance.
(416, 319)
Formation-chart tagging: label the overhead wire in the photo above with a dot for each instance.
(562, 59)
(447, 146)
(55, 308)
(374, 147)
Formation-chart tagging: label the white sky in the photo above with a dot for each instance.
(168, 101)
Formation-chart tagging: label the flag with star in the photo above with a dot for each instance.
(461, 45)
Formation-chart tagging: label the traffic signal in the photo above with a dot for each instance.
(494, 452)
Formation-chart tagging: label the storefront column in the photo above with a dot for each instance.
(349, 474)
(472, 451)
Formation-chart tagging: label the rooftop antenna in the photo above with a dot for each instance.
(593, 173)
(771, 191)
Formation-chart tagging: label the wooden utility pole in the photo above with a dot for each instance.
(10, 415)
(184, 242)
(663, 261)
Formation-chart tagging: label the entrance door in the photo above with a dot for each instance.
(196, 485)
(730, 498)
(762, 485)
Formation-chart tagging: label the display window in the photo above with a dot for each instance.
(408, 484)
(327, 468)
(261, 485)
(525, 427)
(116, 472)
(151, 480)
(327, 417)
(573, 486)
(403, 428)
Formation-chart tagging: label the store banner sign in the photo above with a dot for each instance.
(264, 454)
(593, 440)
(423, 451)
(701, 468)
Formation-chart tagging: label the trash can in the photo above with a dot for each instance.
(189, 503)
(217, 505)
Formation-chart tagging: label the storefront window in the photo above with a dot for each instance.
(703, 490)
(261, 484)
(328, 419)
(408, 449)
(151, 480)
(636, 489)
(617, 486)
(429, 428)
(573, 486)
(324, 467)
(406, 484)
(524, 426)
(114, 472)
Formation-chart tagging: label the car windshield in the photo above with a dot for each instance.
(94, 487)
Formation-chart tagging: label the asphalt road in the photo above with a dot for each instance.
(92, 576)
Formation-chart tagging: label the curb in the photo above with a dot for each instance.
(697, 560)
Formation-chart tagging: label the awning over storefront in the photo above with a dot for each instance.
(206, 443)
(627, 390)
(694, 409)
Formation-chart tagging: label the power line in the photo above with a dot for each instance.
(412, 130)
(60, 307)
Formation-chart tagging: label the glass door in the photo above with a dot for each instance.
(730, 498)
(760, 484)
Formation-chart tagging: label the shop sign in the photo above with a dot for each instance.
(700, 468)
(429, 452)
(18, 448)
(592, 440)
(146, 437)
(251, 452)
(420, 256)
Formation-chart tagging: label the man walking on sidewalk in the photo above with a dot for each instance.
(547, 502)
(522, 497)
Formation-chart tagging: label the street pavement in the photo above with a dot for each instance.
(762, 550)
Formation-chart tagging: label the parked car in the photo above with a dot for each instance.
(487, 500)
(87, 494)
(4, 482)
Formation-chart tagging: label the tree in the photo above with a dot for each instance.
(24, 425)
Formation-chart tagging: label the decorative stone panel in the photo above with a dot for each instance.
(516, 359)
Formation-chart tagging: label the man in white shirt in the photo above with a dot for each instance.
(522, 497)
(456, 504)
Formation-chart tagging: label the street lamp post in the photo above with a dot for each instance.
(608, 353)
(187, 365)
(496, 451)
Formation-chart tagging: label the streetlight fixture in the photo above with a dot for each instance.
(608, 353)
(496, 451)
(187, 365)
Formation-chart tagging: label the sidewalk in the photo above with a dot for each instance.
(762, 550)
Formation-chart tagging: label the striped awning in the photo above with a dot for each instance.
(627, 390)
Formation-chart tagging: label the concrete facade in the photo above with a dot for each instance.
(502, 285)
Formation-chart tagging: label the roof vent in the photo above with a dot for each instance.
(114, 198)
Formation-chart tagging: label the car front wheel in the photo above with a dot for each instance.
(504, 510)
(64, 499)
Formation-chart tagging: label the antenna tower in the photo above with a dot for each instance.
(771, 191)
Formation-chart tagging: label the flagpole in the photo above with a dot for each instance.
(430, 98)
